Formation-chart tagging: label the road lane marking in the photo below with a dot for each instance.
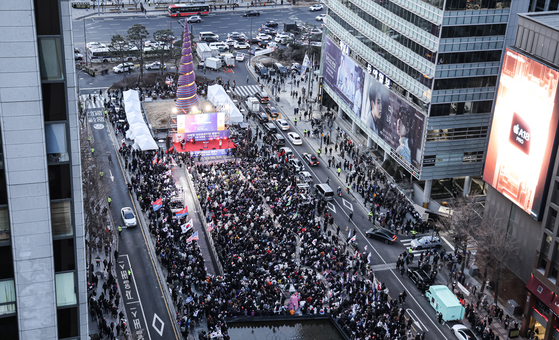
(125, 279)
(153, 324)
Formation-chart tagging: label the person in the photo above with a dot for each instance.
(220, 142)
(110, 160)
(376, 97)
(370, 215)
(295, 120)
(403, 127)
(247, 79)
(341, 71)
(109, 200)
(339, 191)
(119, 230)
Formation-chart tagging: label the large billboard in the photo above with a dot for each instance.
(523, 132)
(203, 122)
(394, 120)
(343, 75)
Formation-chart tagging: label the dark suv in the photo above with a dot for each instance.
(420, 278)
(262, 97)
(261, 70)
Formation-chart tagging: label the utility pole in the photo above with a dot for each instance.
(84, 42)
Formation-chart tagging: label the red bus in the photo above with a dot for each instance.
(183, 10)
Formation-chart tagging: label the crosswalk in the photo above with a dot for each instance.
(96, 101)
(407, 243)
(246, 90)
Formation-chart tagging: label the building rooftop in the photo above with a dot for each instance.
(550, 19)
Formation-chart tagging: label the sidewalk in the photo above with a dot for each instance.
(287, 104)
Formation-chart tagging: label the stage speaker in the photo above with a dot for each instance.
(168, 142)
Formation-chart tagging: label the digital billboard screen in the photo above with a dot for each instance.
(523, 132)
(203, 122)
(398, 123)
(343, 75)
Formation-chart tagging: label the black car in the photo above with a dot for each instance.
(382, 234)
(252, 14)
(262, 97)
(271, 128)
(262, 43)
(311, 159)
(420, 278)
(272, 111)
(271, 24)
(262, 118)
(261, 70)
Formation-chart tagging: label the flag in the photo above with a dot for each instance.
(194, 237)
(181, 213)
(157, 204)
(306, 62)
(164, 219)
(188, 299)
(369, 258)
(210, 226)
(154, 160)
(186, 227)
(365, 248)
(352, 239)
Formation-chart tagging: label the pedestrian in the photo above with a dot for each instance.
(119, 230)
(339, 171)
(350, 215)
(110, 159)
(109, 200)
(295, 121)
(247, 79)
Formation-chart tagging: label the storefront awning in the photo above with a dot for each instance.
(540, 291)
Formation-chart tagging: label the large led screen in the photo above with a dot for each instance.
(523, 132)
(343, 75)
(395, 121)
(203, 122)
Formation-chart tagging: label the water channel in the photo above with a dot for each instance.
(284, 330)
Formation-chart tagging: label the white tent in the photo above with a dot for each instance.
(138, 131)
(219, 98)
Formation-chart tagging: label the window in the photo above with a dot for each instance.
(3, 188)
(54, 101)
(6, 264)
(65, 289)
(47, 17)
(461, 108)
(464, 83)
(7, 297)
(553, 274)
(473, 31)
(469, 57)
(57, 149)
(458, 133)
(61, 218)
(64, 255)
(67, 322)
(4, 225)
(59, 181)
(551, 217)
(50, 59)
(460, 5)
(9, 328)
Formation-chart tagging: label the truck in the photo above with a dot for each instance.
(215, 51)
(291, 28)
(203, 51)
(213, 63)
(445, 302)
(253, 104)
(229, 59)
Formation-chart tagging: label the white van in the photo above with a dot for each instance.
(324, 191)
(208, 36)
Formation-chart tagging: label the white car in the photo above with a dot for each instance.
(272, 44)
(316, 31)
(150, 43)
(240, 57)
(462, 332)
(156, 65)
(128, 217)
(282, 124)
(95, 44)
(316, 7)
(230, 42)
(426, 242)
(262, 36)
(295, 138)
(280, 36)
(125, 67)
(194, 18)
(296, 164)
(241, 45)
(320, 17)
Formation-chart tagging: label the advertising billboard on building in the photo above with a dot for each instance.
(343, 75)
(394, 120)
(523, 132)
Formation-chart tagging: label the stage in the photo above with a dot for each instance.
(206, 148)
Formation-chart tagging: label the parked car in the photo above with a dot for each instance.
(236, 35)
(240, 57)
(128, 217)
(305, 176)
(311, 159)
(296, 164)
(271, 24)
(381, 234)
(270, 127)
(156, 65)
(316, 31)
(462, 332)
(124, 67)
(252, 14)
(282, 124)
(230, 42)
(261, 70)
(194, 18)
(267, 30)
(263, 36)
(288, 151)
(420, 278)
(316, 7)
(426, 242)
(294, 138)
(255, 49)
(320, 17)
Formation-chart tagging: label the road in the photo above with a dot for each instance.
(383, 256)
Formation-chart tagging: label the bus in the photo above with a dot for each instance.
(105, 55)
(183, 10)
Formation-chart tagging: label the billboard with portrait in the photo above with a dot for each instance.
(395, 121)
(343, 75)
(523, 132)
(203, 122)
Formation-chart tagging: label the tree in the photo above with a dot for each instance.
(137, 36)
(495, 248)
(164, 39)
(118, 46)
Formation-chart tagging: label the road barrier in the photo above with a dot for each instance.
(82, 5)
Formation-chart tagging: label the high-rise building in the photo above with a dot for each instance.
(419, 78)
(521, 168)
(43, 287)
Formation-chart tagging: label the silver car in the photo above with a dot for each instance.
(426, 242)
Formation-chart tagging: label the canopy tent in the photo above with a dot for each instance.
(138, 130)
(219, 98)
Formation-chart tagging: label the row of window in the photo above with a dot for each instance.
(470, 57)
(470, 5)
(410, 17)
(473, 31)
(539, 5)
(464, 83)
(457, 133)
(401, 39)
(412, 72)
(462, 108)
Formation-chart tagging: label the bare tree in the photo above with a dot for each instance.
(495, 248)
(137, 36)
(164, 40)
(118, 46)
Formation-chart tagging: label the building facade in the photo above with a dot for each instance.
(43, 268)
(521, 166)
(438, 63)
